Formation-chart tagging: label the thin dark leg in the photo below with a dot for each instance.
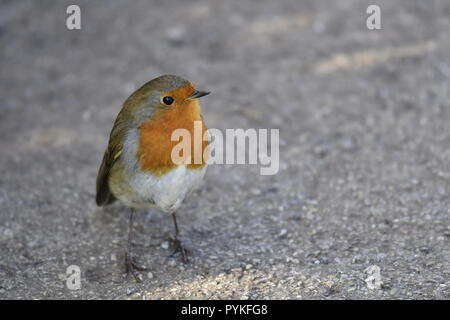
(130, 265)
(130, 227)
(177, 243)
(174, 218)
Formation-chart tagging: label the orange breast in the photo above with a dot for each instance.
(155, 145)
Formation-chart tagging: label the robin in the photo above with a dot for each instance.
(137, 168)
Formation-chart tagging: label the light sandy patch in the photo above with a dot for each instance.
(370, 58)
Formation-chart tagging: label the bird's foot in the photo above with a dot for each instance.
(131, 266)
(181, 247)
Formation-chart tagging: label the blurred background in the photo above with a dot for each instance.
(364, 157)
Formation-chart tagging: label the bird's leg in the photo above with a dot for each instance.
(177, 243)
(130, 264)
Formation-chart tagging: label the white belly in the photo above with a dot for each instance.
(166, 192)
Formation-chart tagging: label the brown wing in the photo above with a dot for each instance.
(112, 153)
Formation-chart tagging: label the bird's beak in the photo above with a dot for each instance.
(197, 94)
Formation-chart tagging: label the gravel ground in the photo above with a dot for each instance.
(364, 156)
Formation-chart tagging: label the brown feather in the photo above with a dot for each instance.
(112, 153)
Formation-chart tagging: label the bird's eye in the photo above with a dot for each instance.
(167, 100)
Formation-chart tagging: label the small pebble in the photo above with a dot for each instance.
(165, 245)
(283, 232)
(171, 263)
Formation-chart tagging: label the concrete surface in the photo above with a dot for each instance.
(365, 158)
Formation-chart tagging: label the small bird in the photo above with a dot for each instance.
(137, 168)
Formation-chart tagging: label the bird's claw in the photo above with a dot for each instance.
(178, 247)
(131, 266)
